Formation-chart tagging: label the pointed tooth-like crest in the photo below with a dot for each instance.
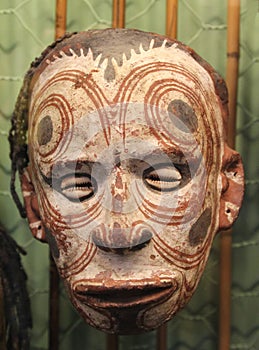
(164, 43)
(98, 59)
(151, 45)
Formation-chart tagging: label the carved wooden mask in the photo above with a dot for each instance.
(129, 176)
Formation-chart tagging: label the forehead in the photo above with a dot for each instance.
(124, 85)
(142, 66)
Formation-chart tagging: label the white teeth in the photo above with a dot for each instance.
(76, 187)
(168, 172)
(163, 185)
(73, 181)
(166, 178)
(77, 193)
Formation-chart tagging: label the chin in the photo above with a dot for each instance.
(128, 308)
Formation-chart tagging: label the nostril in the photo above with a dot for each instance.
(121, 241)
(142, 241)
(146, 235)
(98, 241)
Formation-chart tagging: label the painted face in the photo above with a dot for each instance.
(126, 150)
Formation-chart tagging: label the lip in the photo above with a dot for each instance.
(125, 294)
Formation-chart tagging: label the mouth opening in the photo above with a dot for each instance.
(125, 295)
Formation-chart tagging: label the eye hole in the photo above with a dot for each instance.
(163, 178)
(78, 187)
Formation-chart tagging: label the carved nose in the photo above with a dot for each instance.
(119, 189)
(119, 240)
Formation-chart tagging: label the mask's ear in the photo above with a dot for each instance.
(32, 207)
(232, 173)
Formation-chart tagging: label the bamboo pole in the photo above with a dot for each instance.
(61, 18)
(232, 65)
(226, 237)
(112, 342)
(60, 29)
(53, 306)
(161, 338)
(118, 14)
(171, 18)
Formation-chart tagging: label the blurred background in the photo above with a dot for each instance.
(27, 27)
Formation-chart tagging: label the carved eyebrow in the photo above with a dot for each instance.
(176, 157)
(60, 169)
(165, 158)
(72, 164)
(171, 149)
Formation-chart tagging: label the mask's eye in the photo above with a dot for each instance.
(78, 187)
(162, 178)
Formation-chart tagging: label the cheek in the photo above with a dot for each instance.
(52, 244)
(186, 204)
(72, 255)
(200, 228)
(186, 245)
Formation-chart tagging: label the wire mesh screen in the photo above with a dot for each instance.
(27, 27)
